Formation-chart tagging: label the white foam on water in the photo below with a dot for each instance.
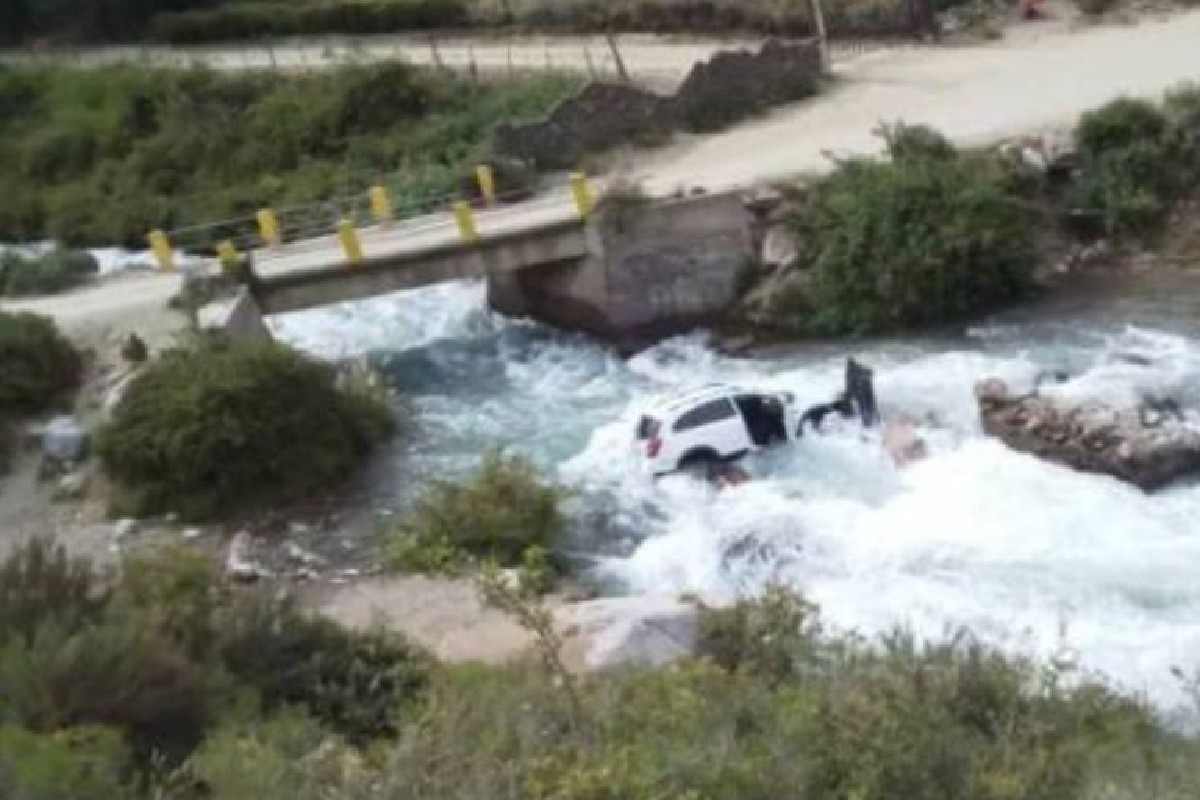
(1027, 555)
(407, 320)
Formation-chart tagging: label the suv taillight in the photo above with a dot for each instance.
(653, 446)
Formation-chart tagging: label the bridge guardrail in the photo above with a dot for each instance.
(358, 221)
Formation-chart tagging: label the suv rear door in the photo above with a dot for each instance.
(714, 425)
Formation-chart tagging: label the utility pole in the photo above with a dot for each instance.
(818, 19)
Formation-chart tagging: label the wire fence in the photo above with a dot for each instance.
(651, 61)
(598, 58)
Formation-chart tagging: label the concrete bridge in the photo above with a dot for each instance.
(625, 274)
(407, 254)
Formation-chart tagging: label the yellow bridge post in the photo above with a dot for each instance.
(350, 242)
(227, 254)
(381, 205)
(584, 200)
(160, 245)
(466, 221)
(487, 183)
(268, 227)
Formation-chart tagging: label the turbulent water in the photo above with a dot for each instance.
(1032, 557)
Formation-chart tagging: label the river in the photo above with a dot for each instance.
(1031, 557)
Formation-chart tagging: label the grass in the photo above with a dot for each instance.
(163, 682)
(100, 157)
(505, 515)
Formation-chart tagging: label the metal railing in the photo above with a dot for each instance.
(365, 223)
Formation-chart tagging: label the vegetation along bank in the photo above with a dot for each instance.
(100, 157)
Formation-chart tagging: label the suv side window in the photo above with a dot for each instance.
(713, 411)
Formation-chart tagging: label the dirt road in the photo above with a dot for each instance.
(654, 60)
(975, 95)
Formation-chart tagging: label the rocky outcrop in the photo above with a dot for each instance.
(600, 117)
(1147, 447)
(729, 87)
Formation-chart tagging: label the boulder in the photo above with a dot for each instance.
(239, 561)
(780, 247)
(773, 300)
(1141, 445)
(625, 631)
(71, 486)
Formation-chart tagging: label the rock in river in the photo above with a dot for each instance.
(1141, 446)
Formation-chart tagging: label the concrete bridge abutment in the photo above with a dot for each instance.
(653, 269)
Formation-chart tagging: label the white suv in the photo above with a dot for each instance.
(713, 424)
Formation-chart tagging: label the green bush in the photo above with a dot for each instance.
(266, 19)
(497, 516)
(357, 684)
(100, 157)
(772, 638)
(55, 271)
(286, 756)
(41, 584)
(911, 142)
(121, 673)
(227, 426)
(1182, 108)
(41, 368)
(166, 650)
(72, 764)
(1123, 123)
(914, 242)
(1130, 176)
(844, 718)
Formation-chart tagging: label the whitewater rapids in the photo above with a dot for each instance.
(1029, 556)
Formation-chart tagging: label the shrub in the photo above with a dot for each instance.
(1182, 108)
(131, 137)
(1129, 190)
(1123, 123)
(1129, 179)
(285, 756)
(354, 683)
(910, 142)
(181, 591)
(40, 366)
(771, 637)
(72, 764)
(871, 720)
(55, 271)
(499, 515)
(914, 242)
(40, 584)
(120, 672)
(226, 426)
(265, 19)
